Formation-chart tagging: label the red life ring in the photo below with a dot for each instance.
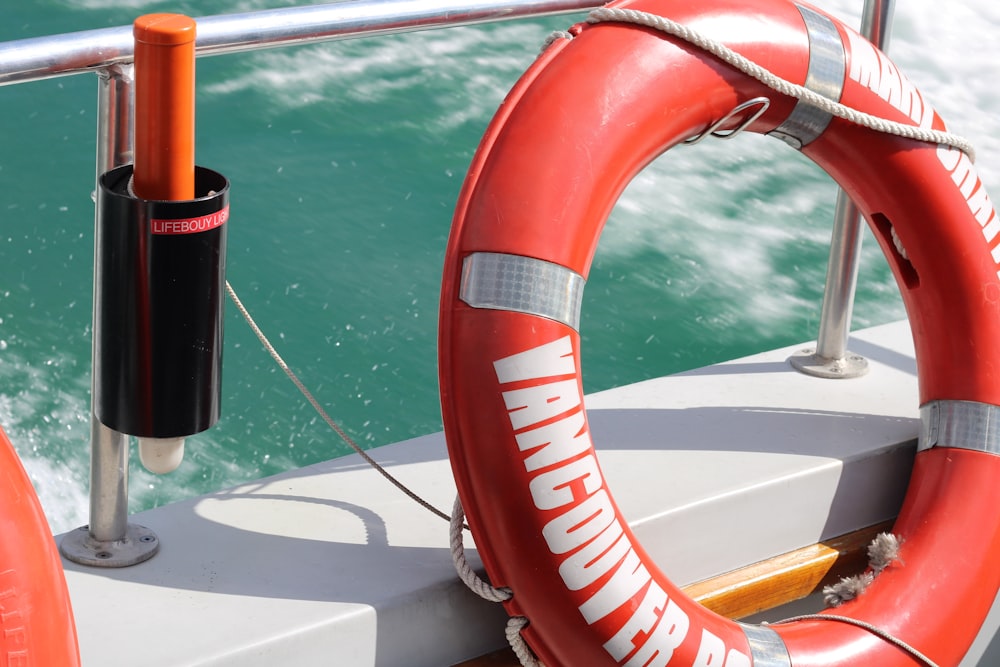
(36, 621)
(585, 118)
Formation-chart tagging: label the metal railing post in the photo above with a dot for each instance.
(832, 359)
(109, 540)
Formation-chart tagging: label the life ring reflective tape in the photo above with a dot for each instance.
(586, 117)
(36, 621)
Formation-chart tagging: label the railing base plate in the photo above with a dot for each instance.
(808, 362)
(138, 545)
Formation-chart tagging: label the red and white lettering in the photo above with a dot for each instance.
(579, 524)
(204, 223)
(646, 626)
(630, 577)
(555, 488)
(875, 71)
(596, 558)
(533, 405)
(658, 646)
(555, 442)
(549, 360)
(966, 179)
(712, 653)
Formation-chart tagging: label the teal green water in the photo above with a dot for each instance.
(346, 160)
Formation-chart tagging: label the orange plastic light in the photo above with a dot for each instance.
(164, 107)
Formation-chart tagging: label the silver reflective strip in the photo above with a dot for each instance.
(960, 424)
(827, 68)
(523, 285)
(767, 648)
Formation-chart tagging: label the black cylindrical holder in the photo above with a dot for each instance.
(160, 277)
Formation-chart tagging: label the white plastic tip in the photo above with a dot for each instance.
(161, 455)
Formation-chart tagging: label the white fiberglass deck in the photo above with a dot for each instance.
(330, 565)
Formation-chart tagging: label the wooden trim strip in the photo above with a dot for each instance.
(764, 585)
(786, 578)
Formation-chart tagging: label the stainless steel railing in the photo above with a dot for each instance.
(92, 50)
(109, 540)
(845, 243)
(831, 358)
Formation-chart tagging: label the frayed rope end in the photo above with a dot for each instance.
(882, 552)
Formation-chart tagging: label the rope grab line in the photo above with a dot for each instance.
(485, 590)
(772, 80)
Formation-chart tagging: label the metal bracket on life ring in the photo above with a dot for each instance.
(759, 106)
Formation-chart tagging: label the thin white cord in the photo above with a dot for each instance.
(553, 36)
(875, 630)
(775, 82)
(524, 655)
(898, 243)
(319, 408)
(485, 590)
(477, 584)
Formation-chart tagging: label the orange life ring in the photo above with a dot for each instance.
(36, 621)
(586, 117)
